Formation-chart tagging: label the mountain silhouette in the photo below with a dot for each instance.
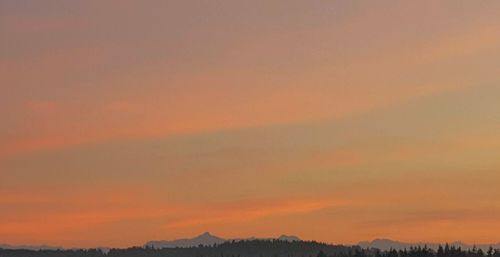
(387, 244)
(258, 248)
(288, 238)
(209, 239)
(203, 239)
(30, 247)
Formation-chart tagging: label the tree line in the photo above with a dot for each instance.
(259, 248)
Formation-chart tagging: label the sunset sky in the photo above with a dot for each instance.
(337, 121)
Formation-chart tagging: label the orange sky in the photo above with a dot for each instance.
(337, 121)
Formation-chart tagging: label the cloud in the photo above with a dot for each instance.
(245, 211)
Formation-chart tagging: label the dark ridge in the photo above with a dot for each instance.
(243, 248)
(259, 248)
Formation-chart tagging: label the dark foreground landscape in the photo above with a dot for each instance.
(258, 248)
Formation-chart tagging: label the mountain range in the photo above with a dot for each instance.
(208, 239)
(387, 244)
(30, 247)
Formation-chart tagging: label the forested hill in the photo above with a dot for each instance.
(258, 248)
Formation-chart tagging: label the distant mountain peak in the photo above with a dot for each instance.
(289, 238)
(207, 238)
(205, 235)
(202, 239)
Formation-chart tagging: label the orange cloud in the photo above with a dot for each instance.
(244, 212)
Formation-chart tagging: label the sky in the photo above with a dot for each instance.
(338, 121)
